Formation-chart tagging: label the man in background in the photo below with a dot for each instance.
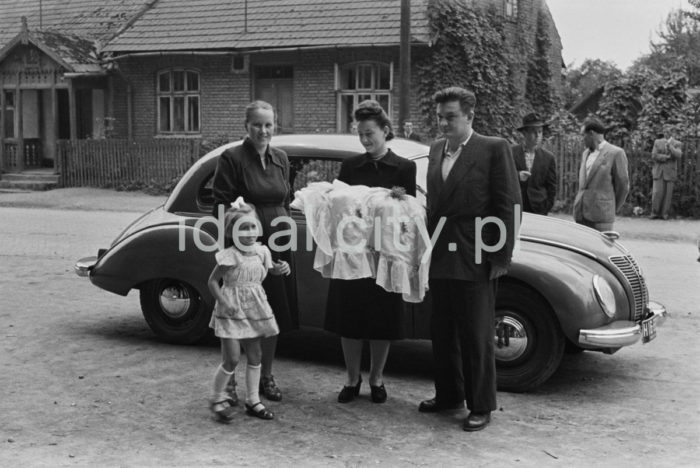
(537, 168)
(603, 181)
(409, 133)
(665, 156)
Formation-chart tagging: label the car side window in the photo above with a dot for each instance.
(307, 170)
(205, 194)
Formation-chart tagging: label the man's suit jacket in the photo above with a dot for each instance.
(413, 136)
(482, 183)
(662, 167)
(604, 189)
(539, 191)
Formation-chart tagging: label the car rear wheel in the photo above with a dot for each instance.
(529, 343)
(175, 311)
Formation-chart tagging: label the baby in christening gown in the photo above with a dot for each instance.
(368, 232)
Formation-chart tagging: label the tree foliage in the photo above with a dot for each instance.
(677, 50)
(538, 89)
(693, 14)
(582, 81)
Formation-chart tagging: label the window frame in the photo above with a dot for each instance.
(186, 94)
(359, 93)
(511, 9)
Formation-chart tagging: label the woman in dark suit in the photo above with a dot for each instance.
(358, 309)
(259, 173)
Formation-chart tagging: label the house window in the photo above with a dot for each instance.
(9, 119)
(359, 81)
(511, 8)
(178, 102)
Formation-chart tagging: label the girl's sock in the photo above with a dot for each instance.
(221, 379)
(252, 384)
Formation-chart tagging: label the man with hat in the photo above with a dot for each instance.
(537, 168)
(603, 181)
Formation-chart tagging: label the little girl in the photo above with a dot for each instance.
(242, 314)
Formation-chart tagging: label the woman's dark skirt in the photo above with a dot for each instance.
(360, 309)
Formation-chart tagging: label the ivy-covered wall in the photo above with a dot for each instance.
(506, 60)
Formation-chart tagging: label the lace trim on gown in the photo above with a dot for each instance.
(342, 220)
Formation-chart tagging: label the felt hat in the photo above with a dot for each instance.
(531, 120)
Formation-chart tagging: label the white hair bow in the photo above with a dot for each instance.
(238, 204)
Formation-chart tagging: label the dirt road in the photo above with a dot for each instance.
(85, 383)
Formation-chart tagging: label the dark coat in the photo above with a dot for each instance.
(539, 191)
(482, 183)
(239, 172)
(391, 171)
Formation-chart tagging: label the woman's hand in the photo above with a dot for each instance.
(280, 268)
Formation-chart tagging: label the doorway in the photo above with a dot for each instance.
(275, 84)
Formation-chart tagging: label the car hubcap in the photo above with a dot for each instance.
(175, 301)
(510, 340)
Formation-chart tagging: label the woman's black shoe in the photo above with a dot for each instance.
(378, 393)
(347, 394)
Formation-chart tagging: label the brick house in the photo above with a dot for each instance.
(187, 68)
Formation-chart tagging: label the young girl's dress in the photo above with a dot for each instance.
(242, 285)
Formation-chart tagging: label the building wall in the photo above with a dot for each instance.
(225, 94)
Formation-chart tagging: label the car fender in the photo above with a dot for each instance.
(183, 252)
(565, 280)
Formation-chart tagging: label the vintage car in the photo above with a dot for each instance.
(568, 287)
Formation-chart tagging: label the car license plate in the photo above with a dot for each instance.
(648, 330)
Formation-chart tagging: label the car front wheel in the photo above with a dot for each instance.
(529, 343)
(175, 311)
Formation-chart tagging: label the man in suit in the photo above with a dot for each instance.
(665, 155)
(409, 133)
(470, 177)
(603, 181)
(537, 168)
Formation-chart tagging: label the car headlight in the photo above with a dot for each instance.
(605, 295)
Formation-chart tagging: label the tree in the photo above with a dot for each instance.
(582, 81)
(693, 14)
(678, 48)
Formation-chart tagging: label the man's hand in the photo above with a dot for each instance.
(524, 175)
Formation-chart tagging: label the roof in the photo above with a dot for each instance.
(171, 25)
(89, 19)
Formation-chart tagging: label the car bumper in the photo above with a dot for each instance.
(622, 332)
(83, 266)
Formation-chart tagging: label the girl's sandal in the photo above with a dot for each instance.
(223, 410)
(259, 411)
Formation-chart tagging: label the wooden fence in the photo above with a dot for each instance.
(568, 150)
(123, 163)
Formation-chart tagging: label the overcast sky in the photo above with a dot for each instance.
(614, 30)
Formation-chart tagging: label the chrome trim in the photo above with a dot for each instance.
(631, 271)
(560, 245)
(622, 332)
(174, 301)
(510, 340)
(612, 235)
(83, 266)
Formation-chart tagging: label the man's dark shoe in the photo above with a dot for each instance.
(476, 421)
(432, 406)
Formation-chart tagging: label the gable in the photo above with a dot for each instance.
(89, 19)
